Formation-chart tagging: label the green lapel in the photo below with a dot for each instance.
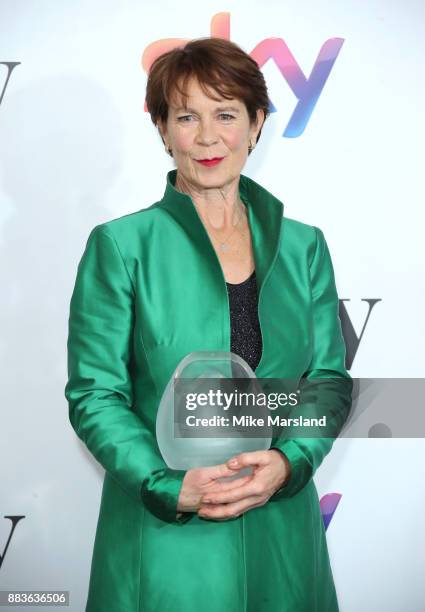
(265, 214)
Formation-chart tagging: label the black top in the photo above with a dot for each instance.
(246, 338)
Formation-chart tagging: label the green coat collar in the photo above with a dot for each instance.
(265, 213)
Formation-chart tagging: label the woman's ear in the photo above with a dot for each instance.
(257, 125)
(161, 129)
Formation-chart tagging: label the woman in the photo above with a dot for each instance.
(214, 265)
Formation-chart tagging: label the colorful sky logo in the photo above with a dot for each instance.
(307, 90)
(328, 505)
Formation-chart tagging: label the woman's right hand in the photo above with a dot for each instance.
(198, 481)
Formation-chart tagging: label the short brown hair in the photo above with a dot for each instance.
(216, 63)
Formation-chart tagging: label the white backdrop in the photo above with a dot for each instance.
(77, 149)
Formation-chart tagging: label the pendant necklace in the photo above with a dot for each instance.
(222, 243)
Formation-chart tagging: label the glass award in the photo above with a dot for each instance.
(182, 449)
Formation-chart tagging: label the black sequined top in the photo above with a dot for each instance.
(246, 338)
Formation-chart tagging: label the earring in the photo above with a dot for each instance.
(251, 147)
(169, 150)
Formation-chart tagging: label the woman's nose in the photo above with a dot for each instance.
(206, 133)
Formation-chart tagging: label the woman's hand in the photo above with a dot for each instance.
(271, 470)
(200, 481)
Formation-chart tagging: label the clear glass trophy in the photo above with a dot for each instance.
(183, 450)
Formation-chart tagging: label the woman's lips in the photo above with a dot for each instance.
(210, 162)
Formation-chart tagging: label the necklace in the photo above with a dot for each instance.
(222, 243)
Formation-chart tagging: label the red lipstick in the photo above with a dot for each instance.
(210, 162)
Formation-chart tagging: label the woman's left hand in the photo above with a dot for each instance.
(271, 469)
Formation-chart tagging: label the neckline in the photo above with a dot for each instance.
(243, 282)
(265, 215)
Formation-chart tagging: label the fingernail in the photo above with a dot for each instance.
(233, 462)
(206, 501)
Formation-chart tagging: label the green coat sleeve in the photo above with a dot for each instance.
(328, 362)
(99, 387)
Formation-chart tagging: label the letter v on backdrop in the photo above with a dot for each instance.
(306, 90)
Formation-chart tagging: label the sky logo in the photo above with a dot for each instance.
(307, 90)
(328, 505)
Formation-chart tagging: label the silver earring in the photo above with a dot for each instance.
(251, 147)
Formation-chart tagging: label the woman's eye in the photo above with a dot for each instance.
(186, 118)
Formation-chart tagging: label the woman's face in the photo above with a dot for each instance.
(207, 129)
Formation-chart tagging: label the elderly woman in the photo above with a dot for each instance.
(212, 266)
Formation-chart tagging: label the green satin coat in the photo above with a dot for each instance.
(149, 290)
